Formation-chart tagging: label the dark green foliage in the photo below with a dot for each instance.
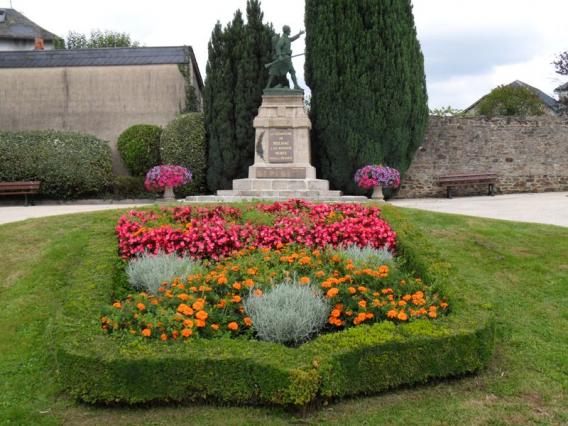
(510, 101)
(183, 144)
(130, 187)
(367, 359)
(97, 39)
(139, 147)
(68, 164)
(191, 100)
(233, 92)
(365, 68)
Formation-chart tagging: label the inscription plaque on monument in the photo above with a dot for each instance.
(281, 173)
(281, 146)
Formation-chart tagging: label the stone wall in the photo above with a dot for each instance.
(103, 101)
(529, 155)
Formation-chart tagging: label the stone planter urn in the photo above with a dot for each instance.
(378, 193)
(169, 194)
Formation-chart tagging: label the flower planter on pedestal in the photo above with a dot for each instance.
(169, 194)
(378, 193)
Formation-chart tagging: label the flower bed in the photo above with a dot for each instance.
(362, 359)
(212, 233)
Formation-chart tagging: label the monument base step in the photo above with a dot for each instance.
(278, 185)
(234, 197)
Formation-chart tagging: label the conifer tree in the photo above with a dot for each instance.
(365, 69)
(235, 79)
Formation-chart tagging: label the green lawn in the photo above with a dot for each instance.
(522, 269)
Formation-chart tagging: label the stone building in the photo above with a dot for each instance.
(96, 91)
(551, 105)
(19, 33)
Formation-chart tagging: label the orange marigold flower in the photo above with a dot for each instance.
(279, 246)
(332, 292)
(386, 290)
(402, 316)
(235, 268)
(249, 282)
(335, 258)
(320, 274)
(349, 313)
(200, 323)
(352, 290)
(198, 304)
(305, 280)
(141, 306)
(233, 326)
(247, 321)
(188, 323)
(443, 305)
(202, 315)
(401, 303)
(215, 327)
(406, 297)
(383, 269)
(154, 301)
(117, 305)
(362, 289)
(175, 334)
(163, 337)
(252, 271)
(146, 332)
(237, 285)
(258, 292)
(186, 332)
(349, 267)
(432, 314)
(362, 303)
(392, 313)
(222, 280)
(369, 315)
(184, 309)
(376, 302)
(221, 304)
(236, 298)
(306, 260)
(336, 313)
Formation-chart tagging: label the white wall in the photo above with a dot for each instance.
(11, 45)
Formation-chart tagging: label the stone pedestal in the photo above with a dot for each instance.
(282, 167)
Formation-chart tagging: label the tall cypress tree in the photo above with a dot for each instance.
(233, 93)
(365, 68)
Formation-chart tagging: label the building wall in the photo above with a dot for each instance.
(13, 45)
(103, 101)
(529, 155)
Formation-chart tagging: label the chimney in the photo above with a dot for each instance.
(39, 45)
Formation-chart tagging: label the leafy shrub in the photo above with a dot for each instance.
(68, 164)
(511, 101)
(139, 147)
(288, 313)
(130, 187)
(183, 144)
(148, 272)
(366, 256)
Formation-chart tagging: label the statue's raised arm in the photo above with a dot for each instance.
(297, 36)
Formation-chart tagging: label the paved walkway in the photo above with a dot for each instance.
(15, 214)
(549, 207)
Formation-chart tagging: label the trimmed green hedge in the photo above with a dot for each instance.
(139, 148)
(68, 164)
(183, 144)
(367, 359)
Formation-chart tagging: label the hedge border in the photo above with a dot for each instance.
(96, 368)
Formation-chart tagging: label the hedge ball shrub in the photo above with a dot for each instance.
(289, 313)
(148, 271)
(68, 164)
(139, 148)
(183, 144)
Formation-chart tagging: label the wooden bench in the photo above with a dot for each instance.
(20, 188)
(468, 179)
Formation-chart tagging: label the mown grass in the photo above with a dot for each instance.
(522, 269)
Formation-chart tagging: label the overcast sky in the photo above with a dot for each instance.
(470, 46)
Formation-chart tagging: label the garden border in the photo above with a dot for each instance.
(367, 359)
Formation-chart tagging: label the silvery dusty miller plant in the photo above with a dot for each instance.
(289, 313)
(148, 272)
(366, 256)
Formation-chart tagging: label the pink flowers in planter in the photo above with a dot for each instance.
(160, 177)
(211, 233)
(376, 175)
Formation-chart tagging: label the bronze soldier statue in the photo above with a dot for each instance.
(282, 64)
